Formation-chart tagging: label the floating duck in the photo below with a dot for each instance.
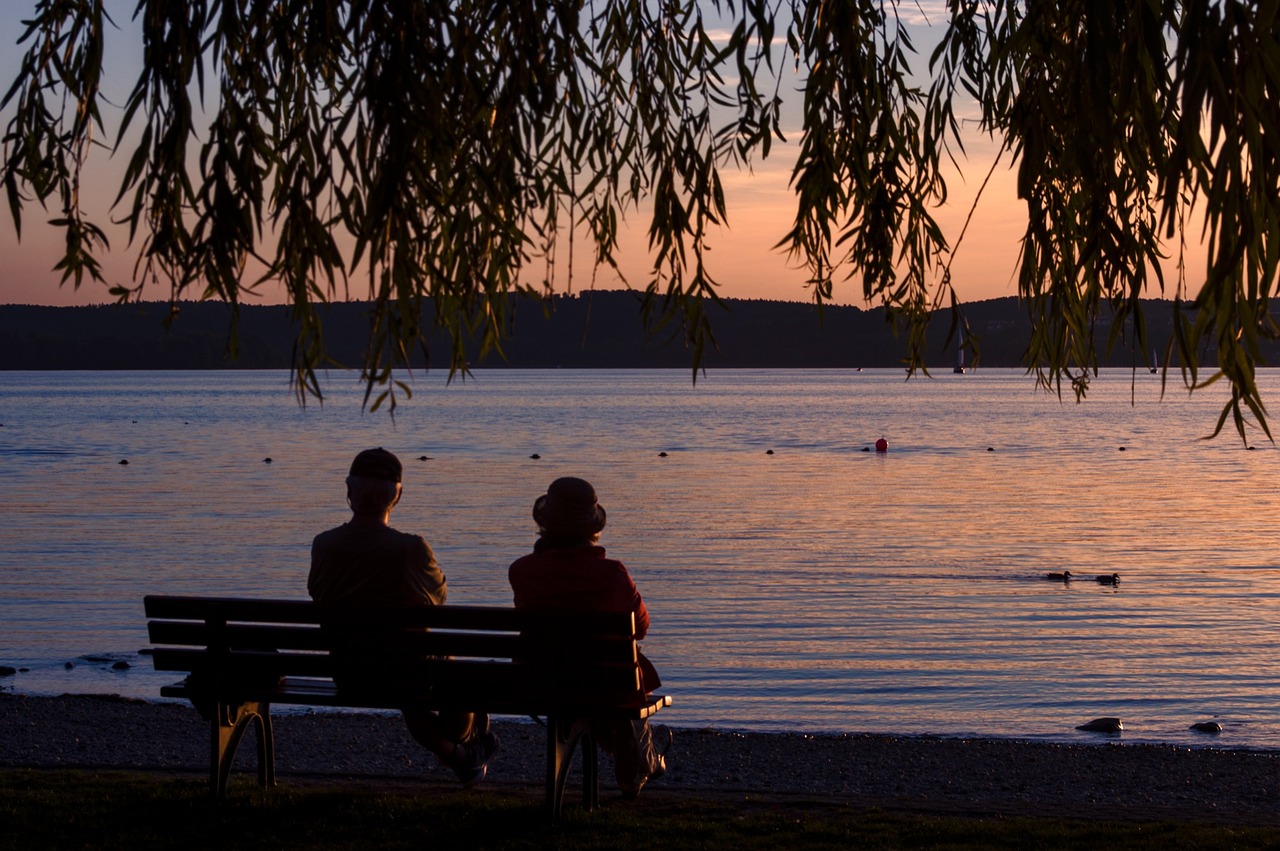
(1064, 576)
(1108, 579)
(1211, 727)
(1102, 725)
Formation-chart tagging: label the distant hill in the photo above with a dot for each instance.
(595, 329)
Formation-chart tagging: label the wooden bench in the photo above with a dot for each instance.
(243, 655)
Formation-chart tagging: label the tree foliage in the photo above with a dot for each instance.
(457, 148)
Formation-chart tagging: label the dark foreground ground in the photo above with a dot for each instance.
(919, 774)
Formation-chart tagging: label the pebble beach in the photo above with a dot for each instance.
(1110, 780)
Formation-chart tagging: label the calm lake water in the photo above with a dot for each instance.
(818, 586)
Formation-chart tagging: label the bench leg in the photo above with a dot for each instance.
(563, 736)
(226, 729)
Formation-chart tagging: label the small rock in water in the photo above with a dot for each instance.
(124, 460)
(69, 665)
(662, 455)
(1102, 725)
(535, 456)
(266, 460)
(6, 671)
(120, 666)
(1212, 727)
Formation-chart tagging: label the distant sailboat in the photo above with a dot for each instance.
(1154, 363)
(959, 368)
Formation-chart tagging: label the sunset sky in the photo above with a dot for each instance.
(761, 208)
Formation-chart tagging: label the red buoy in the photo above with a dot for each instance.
(882, 445)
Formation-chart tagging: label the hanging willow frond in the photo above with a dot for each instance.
(441, 151)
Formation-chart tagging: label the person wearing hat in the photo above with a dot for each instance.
(364, 562)
(568, 569)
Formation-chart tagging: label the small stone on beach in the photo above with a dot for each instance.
(1102, 725)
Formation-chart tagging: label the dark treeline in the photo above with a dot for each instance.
(597, 329)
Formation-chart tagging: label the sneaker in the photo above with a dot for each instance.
(660, 740)
(471, 760)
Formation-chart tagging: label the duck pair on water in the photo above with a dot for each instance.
(1115, 725)
(1067, 576)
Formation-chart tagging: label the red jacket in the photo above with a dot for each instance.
(580, 578)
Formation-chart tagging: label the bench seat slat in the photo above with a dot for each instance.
(302, 691)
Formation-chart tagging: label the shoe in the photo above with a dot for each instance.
(660, 739)
(471, 760)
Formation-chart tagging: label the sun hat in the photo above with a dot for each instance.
(377, 464)
(569, 507)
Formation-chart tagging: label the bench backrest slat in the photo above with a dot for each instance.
(487, 645)
(232, 609)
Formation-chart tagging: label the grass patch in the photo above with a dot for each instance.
(83, 809)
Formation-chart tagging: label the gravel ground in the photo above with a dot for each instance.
(919, 773)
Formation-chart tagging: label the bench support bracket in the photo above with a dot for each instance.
(563, 736)
(226, 728)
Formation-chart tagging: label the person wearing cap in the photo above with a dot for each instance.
(364, 562)
(568, 569)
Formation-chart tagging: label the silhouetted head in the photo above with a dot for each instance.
(569, 509)
(377, 464)
(373, 484)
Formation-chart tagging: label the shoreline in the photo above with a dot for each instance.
(970, 776)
